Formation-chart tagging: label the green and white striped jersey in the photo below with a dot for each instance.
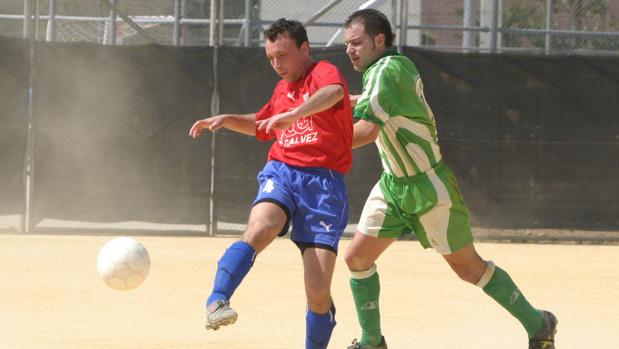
(392, 97)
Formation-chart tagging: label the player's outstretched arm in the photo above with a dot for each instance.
(242, 123)
(364, 132)
(326, 97)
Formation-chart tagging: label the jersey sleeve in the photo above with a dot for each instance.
(382, 87)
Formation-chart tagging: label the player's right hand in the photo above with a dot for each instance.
(212, 123)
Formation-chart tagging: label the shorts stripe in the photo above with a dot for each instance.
(436, 221)
(373, 214)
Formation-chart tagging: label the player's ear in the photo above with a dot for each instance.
(305, 49)
(379, 40)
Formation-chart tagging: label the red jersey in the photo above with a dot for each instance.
(320, 140)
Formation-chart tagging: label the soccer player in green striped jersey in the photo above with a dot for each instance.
(417, 193)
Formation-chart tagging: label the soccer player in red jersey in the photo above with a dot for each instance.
(310, 117)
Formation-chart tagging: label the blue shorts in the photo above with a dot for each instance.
(314, 199)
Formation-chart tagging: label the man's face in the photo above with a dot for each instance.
(288, 60)
(361, 48)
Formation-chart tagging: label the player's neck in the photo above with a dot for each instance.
(308, 64)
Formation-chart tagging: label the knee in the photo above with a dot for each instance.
(318, 295)
(261, 227)
(319, 299)
(260, 234)
(357, 261)
(469, 272)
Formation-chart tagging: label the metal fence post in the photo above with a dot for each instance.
(214, 39)
(210, 225)
(26, 26)
(50, 35)
(220, 23)
(548, 25)
(403, 23)
(37, 18)
(214, 27)
(247, 24)
(394, 13)
(27, 224)
(183, 13)
(176, 39)
(112, 37)
(468, 22)
(494, 26)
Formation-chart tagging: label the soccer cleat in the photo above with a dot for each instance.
(219, 314)
(357, 345)
(545, 337)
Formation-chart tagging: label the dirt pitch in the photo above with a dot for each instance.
(51, 297)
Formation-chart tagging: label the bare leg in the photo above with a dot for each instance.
(364, 250)
(266, 220)
(318, 267)
(467, 264)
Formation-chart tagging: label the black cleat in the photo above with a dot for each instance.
(357, 345)
(545, 337)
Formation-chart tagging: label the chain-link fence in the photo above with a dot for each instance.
(549, 26)
(540, 26)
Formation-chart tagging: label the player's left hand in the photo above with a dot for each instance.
(213, 123)
(277, 122)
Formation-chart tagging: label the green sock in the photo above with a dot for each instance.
(365, 288)
(503, 290)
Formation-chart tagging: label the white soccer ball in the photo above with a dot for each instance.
(123, 263)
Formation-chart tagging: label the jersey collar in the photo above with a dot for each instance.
(390, 52)
(301, 79)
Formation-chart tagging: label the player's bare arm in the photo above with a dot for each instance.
(354, 99)
(323, 99)
(242, 123)
(364, 132)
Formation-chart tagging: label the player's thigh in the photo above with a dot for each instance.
(364, 250)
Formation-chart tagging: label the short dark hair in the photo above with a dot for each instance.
(284, 26)
(374, 21)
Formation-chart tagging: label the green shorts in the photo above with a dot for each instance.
(429, 205)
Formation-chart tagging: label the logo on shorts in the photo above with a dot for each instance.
(268, 186)
(326, 226)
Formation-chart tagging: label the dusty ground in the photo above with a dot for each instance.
(51, 297)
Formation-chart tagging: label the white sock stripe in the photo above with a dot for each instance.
(364, 274)
(487, 275)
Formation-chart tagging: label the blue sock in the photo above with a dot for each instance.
(231, 269)
(318, 328)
